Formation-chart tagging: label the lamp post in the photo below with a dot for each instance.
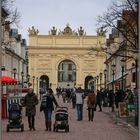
(33, 81)
(95, 84)
(136, 101)
(105, 73)
(28, 79)
(14, 72)
(113, 74)
(122, 65)
(97, 81)
(37, 85)
(100, 80)
(40, 83)
(50, 85)
(44, 84)
(22, 75)
(135, 56)
(40, 88)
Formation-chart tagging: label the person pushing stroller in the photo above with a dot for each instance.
(47, 107)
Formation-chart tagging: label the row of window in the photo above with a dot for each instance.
(67, 66)
(65, 78)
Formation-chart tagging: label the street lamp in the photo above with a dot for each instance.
(44, 84)
(100, 80)
(95, 84)
(28, 78)
(136, 57)
(122, 65)
(50, 85)
(22, 75)
(105, 73)
(40, 87)
(14, 72)
(33, 81)
(37, 85)
(40, 82)
(97, 81)
(113, 67)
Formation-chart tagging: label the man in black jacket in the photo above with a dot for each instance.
(99, 97)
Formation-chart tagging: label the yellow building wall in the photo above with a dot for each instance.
(130, 71)
(47, 51)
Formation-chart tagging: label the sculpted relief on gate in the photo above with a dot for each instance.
(89, 65)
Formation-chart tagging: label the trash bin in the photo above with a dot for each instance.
(4, 106)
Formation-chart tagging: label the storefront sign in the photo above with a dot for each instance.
(123, 109)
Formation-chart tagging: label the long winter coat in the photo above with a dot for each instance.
(30, 102)
(91, 101)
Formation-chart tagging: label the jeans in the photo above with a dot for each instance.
(79, 111)
(47, 114)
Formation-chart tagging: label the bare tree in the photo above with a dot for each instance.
(13, 16)
(122, 15)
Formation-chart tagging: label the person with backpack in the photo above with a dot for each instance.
(47, 106)
(91, 101)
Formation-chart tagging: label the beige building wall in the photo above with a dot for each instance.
(130, 70)
(47, 51)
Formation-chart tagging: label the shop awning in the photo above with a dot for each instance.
(8, 80)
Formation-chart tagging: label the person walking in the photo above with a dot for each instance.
(79, 103)
(47, 106)
(29, 102)
(73, 99)
(99, 100)
(91, 101)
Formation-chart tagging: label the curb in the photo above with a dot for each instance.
(120, 122)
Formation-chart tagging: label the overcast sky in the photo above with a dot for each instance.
(43, 14)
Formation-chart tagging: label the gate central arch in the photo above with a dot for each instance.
(66, 74)
(44, 82)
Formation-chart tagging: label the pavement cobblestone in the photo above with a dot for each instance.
(103, 127)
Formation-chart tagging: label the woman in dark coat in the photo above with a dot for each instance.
(47, 107)
(91, 101)
(30, 102)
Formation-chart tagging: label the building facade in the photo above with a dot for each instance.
(123, 56)
(14, 48)
(65, 58)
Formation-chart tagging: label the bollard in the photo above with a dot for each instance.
(4, 107)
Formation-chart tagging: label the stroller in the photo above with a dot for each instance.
(61, 119)
(15, 117)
